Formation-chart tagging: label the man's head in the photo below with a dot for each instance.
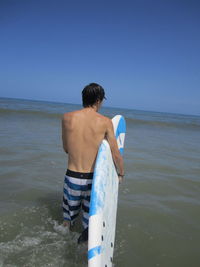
(92, 94)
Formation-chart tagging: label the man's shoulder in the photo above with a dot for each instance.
(105, 122)
(103, 118)
(71, 114)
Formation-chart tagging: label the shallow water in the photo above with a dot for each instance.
(158, 221)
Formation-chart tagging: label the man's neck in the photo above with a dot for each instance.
(92, 108)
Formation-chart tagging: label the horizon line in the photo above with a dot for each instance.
(116, 107)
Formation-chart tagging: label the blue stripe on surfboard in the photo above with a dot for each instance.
(97, 203)
(94, 206)
(121, 127)
(121, 150)
(94, 252)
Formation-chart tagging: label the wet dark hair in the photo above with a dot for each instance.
(92, 93)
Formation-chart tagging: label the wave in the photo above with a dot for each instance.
(168, 122)
(40, 113)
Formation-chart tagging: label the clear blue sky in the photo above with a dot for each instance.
(146, 54)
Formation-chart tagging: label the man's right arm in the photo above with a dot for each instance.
(117, 158)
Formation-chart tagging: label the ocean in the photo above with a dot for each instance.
(158, 219)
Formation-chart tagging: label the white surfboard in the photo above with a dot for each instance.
(103, 202)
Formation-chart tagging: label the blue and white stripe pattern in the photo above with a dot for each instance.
(120, 130)
(76, 196)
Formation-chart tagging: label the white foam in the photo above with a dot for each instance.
(58, 227)
(19, 243)
(30, 241)
(61, 229)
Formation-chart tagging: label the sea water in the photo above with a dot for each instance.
(158, 220)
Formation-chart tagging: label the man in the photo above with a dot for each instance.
(82, 133)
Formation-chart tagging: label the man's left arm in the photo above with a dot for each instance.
(64, 135)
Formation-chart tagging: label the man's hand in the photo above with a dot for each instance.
(120, 177)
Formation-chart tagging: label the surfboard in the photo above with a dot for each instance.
(103, 202)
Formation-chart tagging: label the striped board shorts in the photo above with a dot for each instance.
(76, 196)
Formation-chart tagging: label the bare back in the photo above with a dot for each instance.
(82, 133)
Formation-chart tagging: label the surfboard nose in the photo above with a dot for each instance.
(119, 124)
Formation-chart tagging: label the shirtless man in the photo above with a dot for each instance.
(82, 133)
